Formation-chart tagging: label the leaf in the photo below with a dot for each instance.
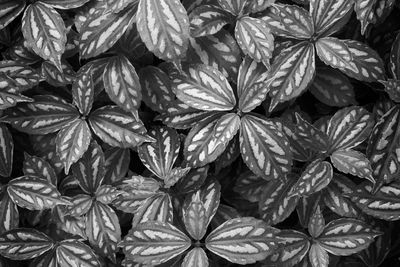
(276, 204)
(264, 148)
(260, 5)
(122, 84)
(194, 217)
(335, 53)
(208, 139)
(317, 175)
(89, 170)
(47, 114)
(6, 151)
(164, 28)
(196, 257)
(392, 88)
(154, 243)
(289, 21)
(103, 229)
(25, 76)
(309, 136)
(130, 43)
(243, 240)
(118, 128)
(250, 186)
(219, 50)
(292, 72)
(328, 14)
(116, 164)
(44, 30)
(293, 246)
(193, 180)
(255, 38)
(83, 90)
(24, 244)
(316, 224)
(53, 75)
(10, 94)
(72, 142)
(366, 65)
(39, 167)
(34, 193)
(344, 237)
(9, 215)
(207, 20)
(155, 208)
(175, 175)
(203, 87)
(370, 11)
(349, 127)
(235, 7)
(332, 88)
(252, 88)
(394, 61)
(101, 31)
(318, 256)
(81, 204)
(75, 253)
(9, 11)
(60, 4)
(106, 194)
(307, 207)
(352, 162)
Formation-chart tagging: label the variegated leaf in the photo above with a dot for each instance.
(45, 147)
(160, 156)
(25, 76)
(54, 76)
(39, 167)
(44, 30)
(208, 139)
(255, 38)
(24, 243)
(106, 194)
(81, 204)
(164, 28)
(370, 11)
(352, 162)
(310, 136)
(83, 90)
(207, 20)
(394, 62)
(220, 51)
(383, 149)
(155, 208)
(252, 83)
(46, 260)
(101, 31)
(316, 224)
(235, 7)
(89, 170)
(366, 65)
(315, 177)
(117, 127)
(292, 72)
(154, 243)
(332, 88)
(72, 142)
(175, 175)
(264, 148)
(6, 151)
(194, 217)
(10, 94)
(289, 21)
(9, 215)
(230, 155)
(196, 257)
(318, 256)
(259, 5)
(223, 214)
(9, 11)
(97, 67)
(193, 180)
(344, 237)
(18, 52)
(250, 186)
(190, 5)
(71, 253)
(47, 114)
(275, 202)
(130, 43)
(327, 14)
(392, 88)
(203, 87)
(243, 240)
(34, 193)
(307, 207)
(293, 246)
(103, 229)
(116, 164)
(122, 84)
(334, 52)
(349, 127)
(61, 4)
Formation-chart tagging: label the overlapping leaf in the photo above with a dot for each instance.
(195, 258)
(9, 214)
(36, 166)
(6, 151)
(318, 256)
(9, 11)
(370, 11)
(72, 253)
(352, 162)
(9, 93)
(251, 186)
(394, 62)
(235, 7)
(155, 208)
(25, 76)
(116, 164)
(207, 20)
(194, 217)
(334, 52)
(60, 4)
(310, 136)
(83, 90)
(54, 76)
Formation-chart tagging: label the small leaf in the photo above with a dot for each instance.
(243, 240)
(72, 253)
(6, 151)
(392, 87)
(61, 4)
(54, 76)
(394, 62)
(10, 94)
(45, 32)
(318, 256)
(207, 20)
(9, 11)
(157, 207)
(83, 90)
(81, 204)
(34, 193)
(260, 5)
(154, 243)
(334, 52)
(116, 164)
(316, 224)
(309, 136)
(194, 217)
(39, 167)
(250, 186)
(370, 11)
(106, 194)
(9, 214)
(195, 258)
(24, 244)
(25, 76)
(235, 7)
(193, 180)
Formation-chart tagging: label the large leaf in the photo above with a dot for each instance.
(255, 38)
(370, 11)
(6, 151)
(352, 162)
(264, 148)
(101, 31)
(207, 20)
(9, 11)
(72, 142)
(155, 208)
(39, 167)
(196, 257)
(44, 30)
(122, 84)
(72, 253)
(34, 193)
(292, 72)
(103, 229)
(9, 214)
(243, 240)
(25, 76)
(203, 87)
(154, 243)
(46, 115)
(344, 237)
(83, 90)
(24, 243)
(164, 28)
(117, 127)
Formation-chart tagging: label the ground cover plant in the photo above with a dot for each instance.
(199, 133)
